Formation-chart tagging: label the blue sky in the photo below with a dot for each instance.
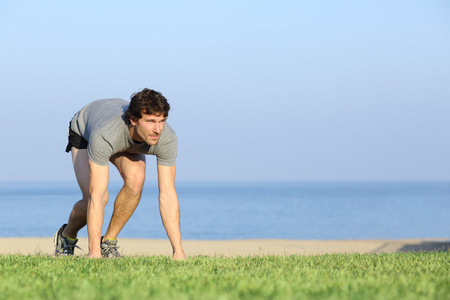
(260, 90)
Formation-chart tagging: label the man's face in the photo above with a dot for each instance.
(148, 128)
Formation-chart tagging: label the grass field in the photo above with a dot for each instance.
(353, 276)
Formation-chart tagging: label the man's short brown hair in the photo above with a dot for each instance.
(149, 102)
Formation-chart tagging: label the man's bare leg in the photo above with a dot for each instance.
(131, 167)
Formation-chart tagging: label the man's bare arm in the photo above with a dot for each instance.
(170, 209)
(98, 197)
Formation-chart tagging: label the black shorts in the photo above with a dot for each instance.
(76, 141)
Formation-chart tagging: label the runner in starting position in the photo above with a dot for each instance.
(120, 132)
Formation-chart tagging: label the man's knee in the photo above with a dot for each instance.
(135, 183)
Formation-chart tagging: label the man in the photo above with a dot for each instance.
(113, 130)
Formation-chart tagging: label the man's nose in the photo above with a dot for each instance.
(158, 127)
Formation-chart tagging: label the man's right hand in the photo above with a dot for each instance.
(179, 255)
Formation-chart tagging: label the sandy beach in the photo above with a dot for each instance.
(232, 248)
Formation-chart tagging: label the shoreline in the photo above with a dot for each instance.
(234, 248)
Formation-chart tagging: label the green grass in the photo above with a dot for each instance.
(354, 276)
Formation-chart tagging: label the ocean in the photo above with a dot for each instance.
(248, 210)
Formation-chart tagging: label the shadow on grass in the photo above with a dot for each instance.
(425, 247)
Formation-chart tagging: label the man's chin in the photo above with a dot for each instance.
(152, 142)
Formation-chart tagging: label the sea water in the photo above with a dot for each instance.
(248, 210)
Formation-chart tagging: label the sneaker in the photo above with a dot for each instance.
(110, 249)
(63, 246)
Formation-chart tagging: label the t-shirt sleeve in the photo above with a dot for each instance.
(99, 150)
(166, 154)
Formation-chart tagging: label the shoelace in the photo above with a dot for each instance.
(113, 249)
(69, 249)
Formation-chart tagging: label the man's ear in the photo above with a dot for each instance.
(133, 121)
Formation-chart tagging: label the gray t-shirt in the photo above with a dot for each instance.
(102, 124)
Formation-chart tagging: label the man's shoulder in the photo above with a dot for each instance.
(108, 140)
(168, 136)
(107, 121)
(167, 142)
(168, 132)
(101, 112)
(114, 126)
(167, 147)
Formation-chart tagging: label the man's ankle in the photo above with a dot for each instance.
(107, 238)
(71, 238)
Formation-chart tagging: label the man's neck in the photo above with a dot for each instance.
(133, 135)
